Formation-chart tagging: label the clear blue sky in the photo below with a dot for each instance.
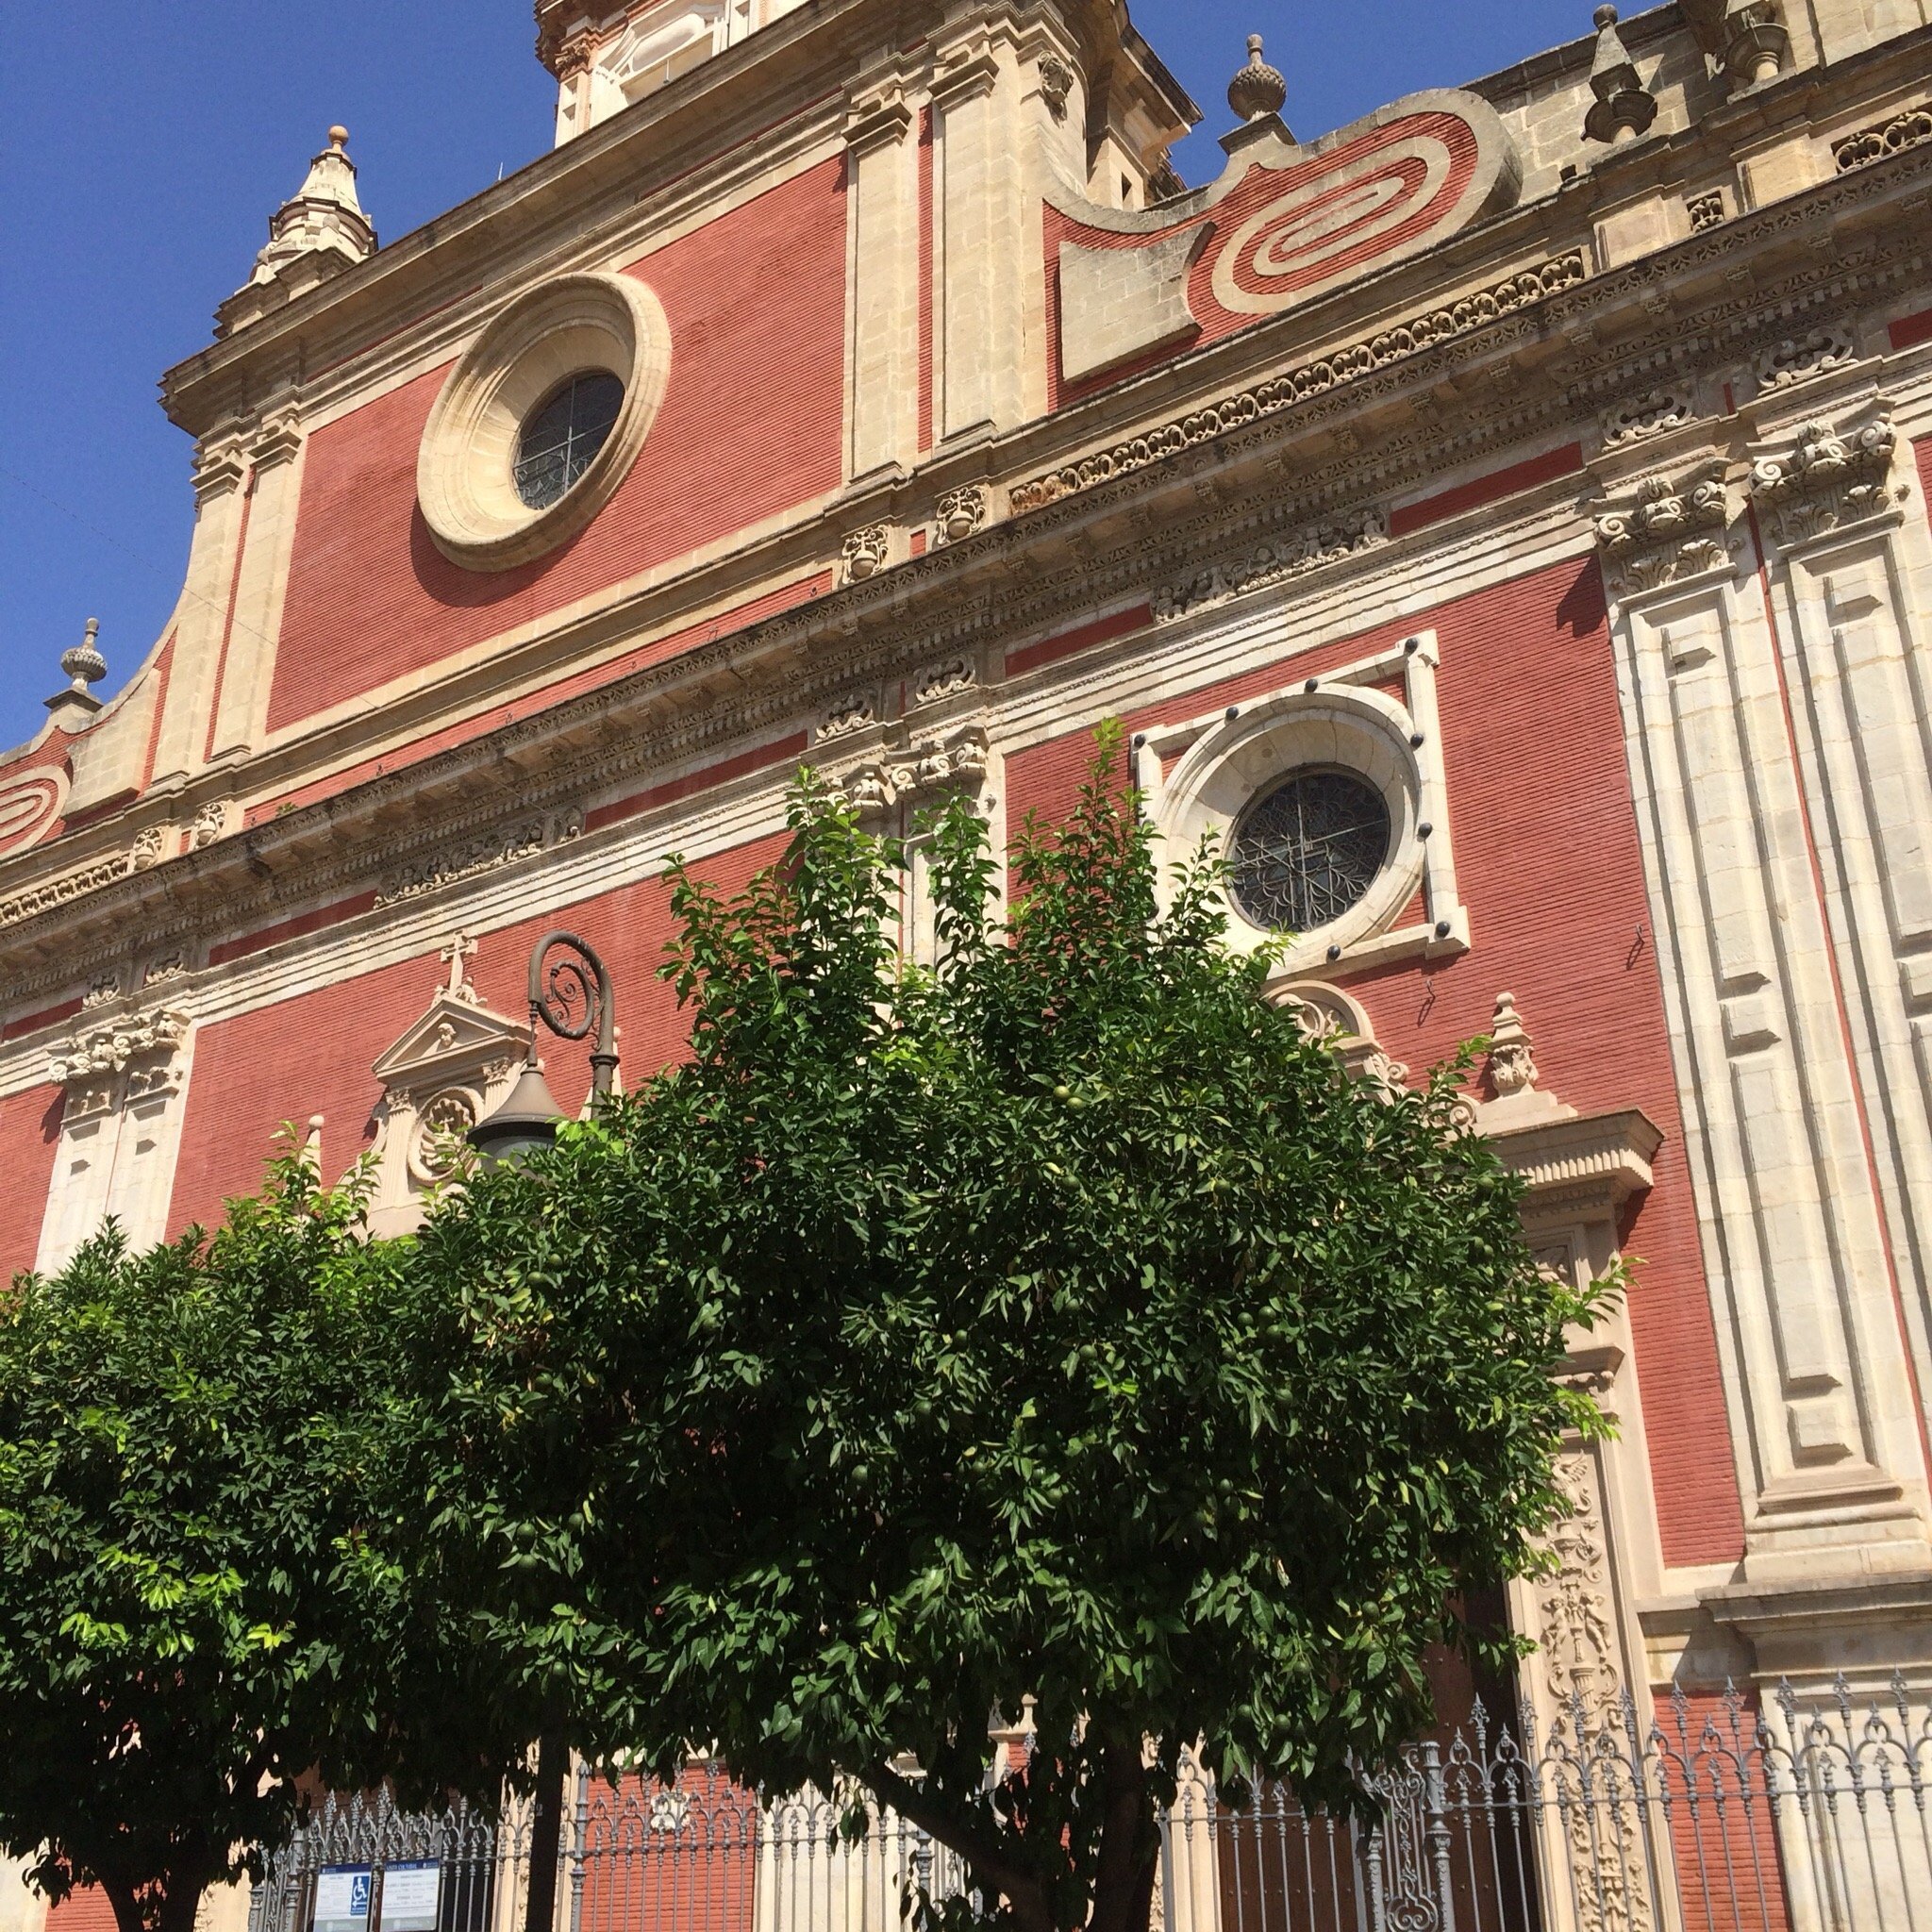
(143, 144)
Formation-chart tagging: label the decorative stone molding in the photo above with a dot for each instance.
(485, 852)
(946, 680)
(221, 466)
(1649, 414)
(31, 806)
(1573, 1164)
(1797, 359)
(465, 480)
(1909, 129)
(1707, 211)
(927, 770)
(1055, 85)
(1461, 317)
(1672, 531)
(1830, 479)
(961, 513)
(102, 992)
(279, 440)
(113, 1047)
(62, 891)
(1330, 1018)
(209, 824)
(164, 969)
(865, 553)
(1273, 563)
(846, 715)
(149, 848)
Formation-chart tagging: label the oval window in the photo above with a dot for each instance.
(563, 436)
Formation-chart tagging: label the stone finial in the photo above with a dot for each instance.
(1258, 89)
(84, 663)
(323, 225)
(1756, 43)
(74, 704)
(311, 1148)
(1625, 107)
(1512, 1057)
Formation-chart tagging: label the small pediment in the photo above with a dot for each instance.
(452, 1039)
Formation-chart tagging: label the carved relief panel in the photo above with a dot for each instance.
(448, 1072)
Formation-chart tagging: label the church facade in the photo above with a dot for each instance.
(1501, 525)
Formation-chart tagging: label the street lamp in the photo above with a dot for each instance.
(573, 998)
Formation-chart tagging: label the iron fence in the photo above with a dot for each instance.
(1720, 1816)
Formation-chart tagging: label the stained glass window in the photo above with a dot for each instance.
(562, 440)
(1307, 851)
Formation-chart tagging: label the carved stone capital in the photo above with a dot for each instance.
(1829, 479)
(110, 1047)
(1674, 529)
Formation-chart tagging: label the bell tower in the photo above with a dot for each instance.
(605, 57)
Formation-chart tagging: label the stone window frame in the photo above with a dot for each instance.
(1198, 778)
(572, 326)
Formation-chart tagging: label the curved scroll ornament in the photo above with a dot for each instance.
(30, 808)
(572, 996)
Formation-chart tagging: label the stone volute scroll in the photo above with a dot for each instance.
(449, 1071)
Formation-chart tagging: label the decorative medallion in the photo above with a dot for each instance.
(30, 807)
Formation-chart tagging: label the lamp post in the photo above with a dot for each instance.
(572, 996)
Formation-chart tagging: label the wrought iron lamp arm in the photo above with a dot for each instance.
(556, 992)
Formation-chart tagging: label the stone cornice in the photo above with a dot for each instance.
(1348, 451)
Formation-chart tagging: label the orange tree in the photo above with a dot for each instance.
(1058, 1321)
(185, 1629)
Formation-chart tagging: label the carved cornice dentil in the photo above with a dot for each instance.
(1674, 529)
(1829, 479)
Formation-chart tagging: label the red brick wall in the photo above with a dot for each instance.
(314, 1053)
(752, 422)
(1548, 861)
(29, 1138)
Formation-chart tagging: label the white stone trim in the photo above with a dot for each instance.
(1820, 1405)
(127, 1077)
(1221, 762)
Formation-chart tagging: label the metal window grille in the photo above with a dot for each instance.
(563, 438)
(1811, 1816)
(1307, 852)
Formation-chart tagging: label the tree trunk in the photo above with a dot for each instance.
(167, 1903)
(1129, 1843)
(546, 1834)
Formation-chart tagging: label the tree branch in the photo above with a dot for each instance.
(980, 1848)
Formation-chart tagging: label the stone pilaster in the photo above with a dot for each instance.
(1830, 1465)
(884, 298)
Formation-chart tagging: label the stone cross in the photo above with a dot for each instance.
(459, 950)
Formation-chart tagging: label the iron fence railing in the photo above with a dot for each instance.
(1720, 1816)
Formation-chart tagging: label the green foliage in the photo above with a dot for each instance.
(1057, 1321)
(180, 1638)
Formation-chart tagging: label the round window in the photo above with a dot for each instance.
(563, 436)
(1308, 850)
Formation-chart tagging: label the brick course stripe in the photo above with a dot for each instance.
(1912, 330)
(1051, 650)
(1498, 484)
(292, 928)
(758, 759)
